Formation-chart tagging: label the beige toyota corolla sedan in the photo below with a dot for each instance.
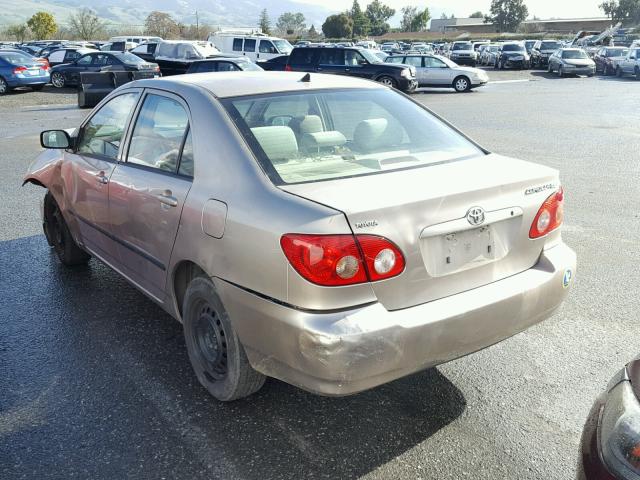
(323, 230)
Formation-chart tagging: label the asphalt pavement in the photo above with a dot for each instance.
(95, 381)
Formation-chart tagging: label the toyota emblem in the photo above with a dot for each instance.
(475, 216)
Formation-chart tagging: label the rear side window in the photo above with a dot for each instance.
(237, 44)
(102, 134)
(394, 59)
(158, 133)
(415, 61)
(203, 67)
(302, 56)
(227, 67)
(323, 135)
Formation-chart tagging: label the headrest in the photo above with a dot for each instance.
(368, 133)
(307, 124)
(318, 140)
(279, 143)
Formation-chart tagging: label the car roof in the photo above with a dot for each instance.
(235, 84)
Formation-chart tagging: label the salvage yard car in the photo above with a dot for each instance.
(19, 69)
(630, 65)
(610, 445)
(437, 71)
(512, 55)
(321, 229)
(571, 61)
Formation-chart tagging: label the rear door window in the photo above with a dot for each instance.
(415, 61)
(237, 44)
(249, 45)
(331, 56)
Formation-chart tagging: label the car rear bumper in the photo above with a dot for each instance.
(27, 81)
(340, 353)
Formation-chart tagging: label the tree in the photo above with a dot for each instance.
(507, 15)
(444, 16)
(312, 33)
(622, 10)
(291, 23)
(338, 26)
(43, 25)
(361, 24)
(377, 13)
(161, 24)
(21, 32)
(414, 20)
(610, 9)
(264, 22)
(477, 14)
(85, 25)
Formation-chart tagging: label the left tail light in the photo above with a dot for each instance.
(549, 216)
(338, 260)
(19, 70)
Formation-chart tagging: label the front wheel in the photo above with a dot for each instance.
(58, 235)
(619, 72)
(4, 86)
(388, 82)
(462, 84)
(217, 356)
(57, 80)
(560, 72)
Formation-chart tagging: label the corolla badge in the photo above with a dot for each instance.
(475, 216)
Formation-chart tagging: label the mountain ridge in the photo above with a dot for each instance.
(216, 13)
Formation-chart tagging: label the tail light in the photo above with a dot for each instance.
(287, 68)
(550, 215)
(19, 70)
(335, 260)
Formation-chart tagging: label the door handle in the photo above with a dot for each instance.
(101, 178)
(166, 198)
(318, 69)
(347, 69)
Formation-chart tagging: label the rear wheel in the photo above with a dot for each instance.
(58, 235)
(4, 87)
(619, 72)
(57, 80)
(461, 84)
(388, 81)
(216, 354)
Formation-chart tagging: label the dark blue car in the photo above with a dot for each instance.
(19, 69)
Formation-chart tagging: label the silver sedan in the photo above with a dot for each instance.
(320, 229)
(440, 72)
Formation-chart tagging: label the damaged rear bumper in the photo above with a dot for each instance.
(345, 352)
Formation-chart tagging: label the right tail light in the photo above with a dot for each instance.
(549, 216)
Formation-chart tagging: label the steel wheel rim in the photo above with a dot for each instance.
(210, 342)
(57, 80)
(461, 85)
(3, 85)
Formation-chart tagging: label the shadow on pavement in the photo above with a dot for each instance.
(97, 384)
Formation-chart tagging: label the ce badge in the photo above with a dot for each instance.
(566, 279)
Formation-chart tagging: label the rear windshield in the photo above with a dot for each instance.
(127, 57)
(617, 52)
(323, 135)
(549, 45)
(16, 57)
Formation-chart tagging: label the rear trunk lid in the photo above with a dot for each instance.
(432, 214)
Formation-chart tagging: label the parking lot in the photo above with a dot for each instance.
(96, 383)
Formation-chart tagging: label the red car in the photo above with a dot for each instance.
(610, 447)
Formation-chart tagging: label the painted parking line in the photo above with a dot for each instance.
(495, 82)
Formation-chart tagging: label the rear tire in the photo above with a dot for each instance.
(59, 237)
(388, 81)
(560, 72)
(619, 72)
(217, 356)
(57, 80)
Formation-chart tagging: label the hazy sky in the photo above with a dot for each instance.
(463, 8)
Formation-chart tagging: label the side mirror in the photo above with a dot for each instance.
(56, 139)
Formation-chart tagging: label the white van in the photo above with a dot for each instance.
(255, 45)
(137, 39)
